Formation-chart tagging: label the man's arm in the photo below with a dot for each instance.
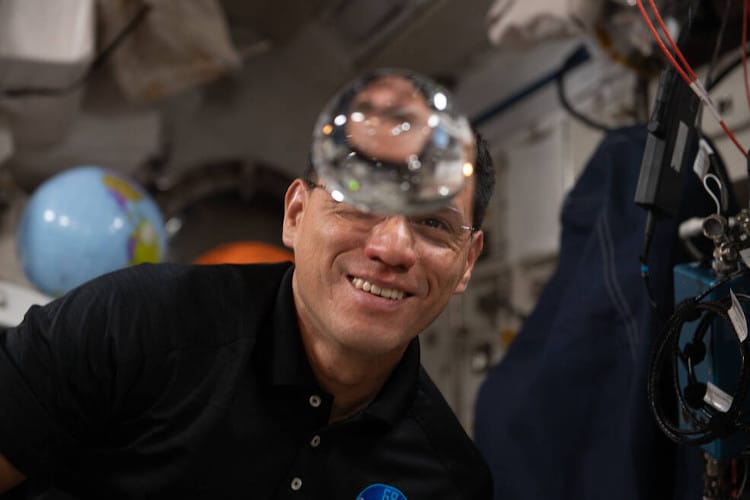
(10, 477)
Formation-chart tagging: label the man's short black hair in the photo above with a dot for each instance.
(484, 179)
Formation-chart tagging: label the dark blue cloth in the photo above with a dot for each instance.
(565, 414)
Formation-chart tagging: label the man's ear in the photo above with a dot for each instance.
(475, 248)
(295, 202)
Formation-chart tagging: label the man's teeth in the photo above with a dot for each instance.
(388, 293)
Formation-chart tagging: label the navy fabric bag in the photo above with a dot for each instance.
(565, 415)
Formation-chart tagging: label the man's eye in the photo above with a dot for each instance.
(402, 115)
(363, 107)
(433, 223)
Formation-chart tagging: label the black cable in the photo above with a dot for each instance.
(568, 64)
(686, 311)
(744, 380)
(648, 234)
(708, 424)
(741, 487)
(99, 59)
(708, 83)
(726, 70)
(670, 338)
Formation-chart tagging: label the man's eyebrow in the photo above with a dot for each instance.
(362, 104)
(452, 208)
(445, 210)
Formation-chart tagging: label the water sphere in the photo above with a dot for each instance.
(393, 142)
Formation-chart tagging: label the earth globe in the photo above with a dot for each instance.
(84, 222)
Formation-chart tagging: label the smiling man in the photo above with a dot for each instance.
(366, 285)
(262, 381)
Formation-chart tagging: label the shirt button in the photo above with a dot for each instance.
(315, 441)
(315, 400)
(296, 484)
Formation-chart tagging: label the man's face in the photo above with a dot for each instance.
(388, 120)
(340, 253)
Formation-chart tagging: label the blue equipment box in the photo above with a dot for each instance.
(722, 363)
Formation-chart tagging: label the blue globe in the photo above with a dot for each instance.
(84, 222)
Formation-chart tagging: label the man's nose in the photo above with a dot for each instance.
(392, 242)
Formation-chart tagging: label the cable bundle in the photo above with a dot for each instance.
(707, 422)
(684, 69)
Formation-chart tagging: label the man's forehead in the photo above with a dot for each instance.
(389, 87)
(465, 197)
(462, 202)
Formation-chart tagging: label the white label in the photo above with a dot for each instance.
(717, 398)
(679, 146)
(737, 316)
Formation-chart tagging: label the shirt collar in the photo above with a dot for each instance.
(285, 362)
(399, 390)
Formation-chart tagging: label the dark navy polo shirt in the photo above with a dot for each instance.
(171, 381)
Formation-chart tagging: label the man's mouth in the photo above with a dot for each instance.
(388, 293)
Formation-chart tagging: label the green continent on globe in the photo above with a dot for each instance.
(143, 243)
(121, 187)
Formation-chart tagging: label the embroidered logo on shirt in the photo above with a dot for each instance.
(381, 492)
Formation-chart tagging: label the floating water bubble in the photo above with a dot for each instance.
(393, 142)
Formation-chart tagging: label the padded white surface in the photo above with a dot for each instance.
(15, 300)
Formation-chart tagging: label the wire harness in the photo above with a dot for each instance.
(710, 413)
(683, 68)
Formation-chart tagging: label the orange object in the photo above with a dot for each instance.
(244, 252)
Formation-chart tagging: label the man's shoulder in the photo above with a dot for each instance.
(435, 414)
(168, 282)
(159, 274)
(449, 439)
(183, 303)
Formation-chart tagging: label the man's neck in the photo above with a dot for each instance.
(353, 379)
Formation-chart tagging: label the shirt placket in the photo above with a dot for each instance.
(299, 481)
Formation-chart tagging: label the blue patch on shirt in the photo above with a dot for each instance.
(381, 492)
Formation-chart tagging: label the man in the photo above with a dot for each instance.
(253, 381)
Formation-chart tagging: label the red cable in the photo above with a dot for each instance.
(675, 47)
(663, 47)
(689, 79)
(729, 133)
